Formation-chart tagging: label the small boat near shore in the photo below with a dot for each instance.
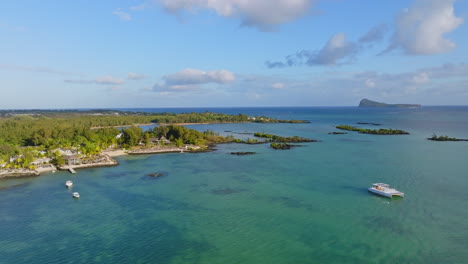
(384, 189)
(69, 184)
(76, 195)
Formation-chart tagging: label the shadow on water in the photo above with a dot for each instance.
(356, 190)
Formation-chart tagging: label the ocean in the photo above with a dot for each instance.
(309, 204)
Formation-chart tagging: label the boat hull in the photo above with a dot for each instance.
(374, 191)
(385, 194)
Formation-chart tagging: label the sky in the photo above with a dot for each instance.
(59, 54)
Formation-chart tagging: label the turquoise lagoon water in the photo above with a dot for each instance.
(306, 205)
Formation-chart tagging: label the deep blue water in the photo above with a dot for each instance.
(305, 205)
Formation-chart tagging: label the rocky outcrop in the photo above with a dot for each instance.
(370, 103)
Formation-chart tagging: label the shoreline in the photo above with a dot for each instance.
(169, 124)
(108, 163)
(18, 173)
(116, 153)
(147, 124)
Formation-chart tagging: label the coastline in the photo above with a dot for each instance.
(108, 155)
(18, 173)
(108, 163)
(168, 124)
(147, 124)
(115, 153)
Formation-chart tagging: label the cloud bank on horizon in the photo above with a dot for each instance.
(285, 52)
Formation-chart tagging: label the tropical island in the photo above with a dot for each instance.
(34, 141)
(382, 131)
(445, 138)
(370, 103)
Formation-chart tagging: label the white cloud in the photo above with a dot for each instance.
(194, 76)
(374, 34)
(263, 14)
(420, 29)
(139, 7)
(124, 16)
(420, 78)
(370, 83)
(135, 76)
(337, 50)
(193, 79)
(109, 80)
(104, 80)
(278, 85)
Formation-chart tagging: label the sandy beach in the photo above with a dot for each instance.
(116, 153)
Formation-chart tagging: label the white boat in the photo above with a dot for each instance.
(383, 189)
(76, 195)
(69, 184)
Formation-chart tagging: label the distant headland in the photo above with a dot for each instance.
(370, 103)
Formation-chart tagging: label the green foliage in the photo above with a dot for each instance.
(92, 131)
(275, 138)
(373, 131)
(281, 146)
(445, 138)
(131, 136)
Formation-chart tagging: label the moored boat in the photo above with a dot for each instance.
(383, 189)
(76, 195)
(69, 184)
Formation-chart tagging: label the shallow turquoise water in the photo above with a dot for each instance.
(305, 205)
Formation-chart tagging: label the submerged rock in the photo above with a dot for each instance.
(157, 174)
(243, 153)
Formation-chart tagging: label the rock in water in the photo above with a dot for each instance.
(370, 103)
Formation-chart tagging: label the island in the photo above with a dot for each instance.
(382, 131)
(35, 141)
(370, 103)
(280, 139)
(445, 138)
(282, 146)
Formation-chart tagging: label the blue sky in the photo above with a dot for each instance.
(214, 53)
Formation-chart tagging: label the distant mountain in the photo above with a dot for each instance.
(370, 103)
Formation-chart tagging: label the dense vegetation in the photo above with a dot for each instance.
(24, 138)
(445, 138)
(27, 135)
(282, 146)
(275, 138)
(373, 131)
